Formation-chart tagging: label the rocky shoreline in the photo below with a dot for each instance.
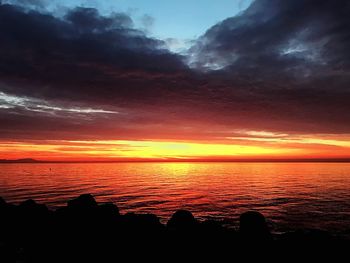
(30, 232)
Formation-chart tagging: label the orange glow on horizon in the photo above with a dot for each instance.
(250, 145)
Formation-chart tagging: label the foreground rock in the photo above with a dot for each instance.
(253, 227)
(85, 229)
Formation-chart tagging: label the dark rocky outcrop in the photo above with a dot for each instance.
(83, 202)
(182, 220)
(85, 230)
(253, 227)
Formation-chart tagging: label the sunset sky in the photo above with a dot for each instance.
(174, 80)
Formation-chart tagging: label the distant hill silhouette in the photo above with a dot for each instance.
(24, 160)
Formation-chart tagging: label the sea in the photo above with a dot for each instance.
(290, 195)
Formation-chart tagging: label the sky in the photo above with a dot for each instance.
(176, 22)
(174, 80)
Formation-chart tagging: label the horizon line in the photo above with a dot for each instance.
(262, 160)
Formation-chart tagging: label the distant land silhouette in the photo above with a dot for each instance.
(24, 160)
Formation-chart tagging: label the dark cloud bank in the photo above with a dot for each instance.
(279, 66)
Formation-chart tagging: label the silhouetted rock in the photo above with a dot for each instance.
(31, 212)
(84, 201)
(29, 232)
(142, 222)
(306, 236)
(182, 219)
(7, 211)
(2, 202)
(253, 226)
(212, 227)
(32, 207)
(108, 210)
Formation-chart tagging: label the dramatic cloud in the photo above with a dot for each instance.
(301, 37)
(295, 54)
(46, 49)
(279, 66)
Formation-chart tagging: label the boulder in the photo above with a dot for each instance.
(182, 219)
(253, 226)
(84, 201)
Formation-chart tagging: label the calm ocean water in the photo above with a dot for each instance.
(290, 195)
